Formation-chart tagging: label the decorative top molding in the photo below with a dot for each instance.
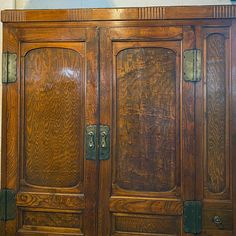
(149, 13)
(13, 16)
(121, 14)
(224, 11)
(78, 15)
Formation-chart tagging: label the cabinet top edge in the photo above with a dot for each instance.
(132, 13)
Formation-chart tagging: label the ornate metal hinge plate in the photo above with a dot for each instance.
(192, 65)
(7, 205)
(9, 67)
(193, 217)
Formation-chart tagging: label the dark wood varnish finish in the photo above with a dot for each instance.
(171, 140)
(146, 118)
(216, 113)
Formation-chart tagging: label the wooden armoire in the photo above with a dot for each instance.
(119, 122)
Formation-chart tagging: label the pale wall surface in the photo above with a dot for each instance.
(111, 3)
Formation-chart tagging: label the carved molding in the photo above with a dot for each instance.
(151, 13)
(139, 13)
(224, 11)
(13, 16)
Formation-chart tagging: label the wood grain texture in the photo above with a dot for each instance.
(151, 13)
(216, 113)
(146, 119)
(55, 201)
(233, 121)
(146, 224)
(53, 210)
(135, 13)
(146, 205)
(46, 231)
(52, 219)
(144, 65)
(226, 217)
(214, 97)
(11, 122)
(224, 11)
(53, 117)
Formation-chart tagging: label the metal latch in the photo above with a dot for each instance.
(91, 142)
(192, 65)
(102, 145)
(193, 217)
(104, 142)
(7, 205)
(9, 67)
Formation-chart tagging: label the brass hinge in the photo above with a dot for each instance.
(192, 65)
(100, 146)
(7, 205)
(9, 67)
(193, 217)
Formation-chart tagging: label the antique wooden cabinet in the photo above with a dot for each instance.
(119, 122)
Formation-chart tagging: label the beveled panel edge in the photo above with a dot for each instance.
(132, 13)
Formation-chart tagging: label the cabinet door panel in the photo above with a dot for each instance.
(146, 120)
(53, 118)
(150, 112)
(214, 130)
(56, 86)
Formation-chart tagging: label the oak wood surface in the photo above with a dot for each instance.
(135, 13)
(171, 141)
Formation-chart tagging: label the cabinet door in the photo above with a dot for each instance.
(45, 114)
(150, 111)
(216, 131)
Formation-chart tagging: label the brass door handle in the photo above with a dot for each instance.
(102, 143)
(104, 149)
(103, 139)
(91, 142)
(218, 222)
(91, 139)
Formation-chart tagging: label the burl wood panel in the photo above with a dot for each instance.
(52, 219)
(146, 224)
(50, 200)
(53, 117)
(146, 206)
(216, 113)
(146, 119)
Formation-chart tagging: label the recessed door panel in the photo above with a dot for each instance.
(146, 119)
(54, 79)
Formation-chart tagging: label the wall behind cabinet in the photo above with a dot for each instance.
(112, 3)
